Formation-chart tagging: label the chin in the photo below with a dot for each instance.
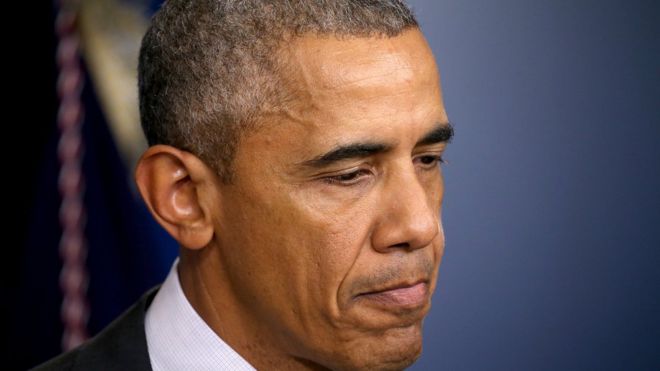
(395, 349)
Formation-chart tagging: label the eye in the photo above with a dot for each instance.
(430, 161)
(347, 178)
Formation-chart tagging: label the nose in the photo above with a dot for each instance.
(408, 219)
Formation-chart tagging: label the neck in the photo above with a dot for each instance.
(208, 288)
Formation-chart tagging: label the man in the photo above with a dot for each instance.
(295, 150)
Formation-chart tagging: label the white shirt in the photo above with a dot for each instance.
(179, 339)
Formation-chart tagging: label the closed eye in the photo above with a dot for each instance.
(347, 179)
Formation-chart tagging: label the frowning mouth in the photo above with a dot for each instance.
(401, 296)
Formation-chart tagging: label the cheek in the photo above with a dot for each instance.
(294, 248)
(434, 187)
(334, 237)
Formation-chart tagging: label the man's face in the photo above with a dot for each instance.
(330, 234)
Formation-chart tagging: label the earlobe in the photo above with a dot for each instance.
(175, 185)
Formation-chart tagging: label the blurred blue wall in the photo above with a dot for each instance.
(552, 206)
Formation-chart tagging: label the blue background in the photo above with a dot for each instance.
(552, 205)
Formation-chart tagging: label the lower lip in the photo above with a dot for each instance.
(407, 297)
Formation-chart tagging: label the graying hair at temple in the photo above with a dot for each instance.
(208, 69)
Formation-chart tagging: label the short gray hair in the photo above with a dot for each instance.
(208, 68)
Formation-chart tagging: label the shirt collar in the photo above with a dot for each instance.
(179, 339)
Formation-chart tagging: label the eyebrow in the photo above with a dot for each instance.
(441, 133)
(345, 152)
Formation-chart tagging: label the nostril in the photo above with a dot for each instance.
(403, 245)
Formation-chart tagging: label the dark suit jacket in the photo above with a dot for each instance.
(120, 346)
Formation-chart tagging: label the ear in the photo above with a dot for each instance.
(179, 190)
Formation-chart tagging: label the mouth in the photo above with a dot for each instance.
(399, 297)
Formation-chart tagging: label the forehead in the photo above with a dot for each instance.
(359, 84)
(357, 64)
(351, 90)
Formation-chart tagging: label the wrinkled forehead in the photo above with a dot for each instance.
(327, 63)
(347, 91)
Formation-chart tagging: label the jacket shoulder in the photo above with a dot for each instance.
(62, 362)
(122, 345)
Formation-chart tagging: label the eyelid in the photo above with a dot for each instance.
(358, 173)
(436, 156)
